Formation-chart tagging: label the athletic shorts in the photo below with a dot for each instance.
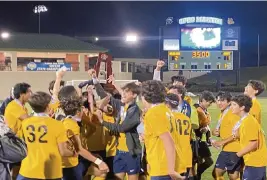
(225, 159)
(254, 173)
(73, 173)
(124, 162)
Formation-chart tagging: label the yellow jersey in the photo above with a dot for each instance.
(227, 124)
(188, 99)
(13, 112)
(70, 124)
(157, 121)
(54, 105)
(122, 145)
(256, 110)
(183, 126)
(42, 135)
(250, 130)
(110, 139)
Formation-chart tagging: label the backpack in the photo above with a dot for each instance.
(12, 149)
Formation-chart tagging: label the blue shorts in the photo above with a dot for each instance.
(254, 173)
(73, 173)
(160, 177)
(124, 162)
(20, 177)
(225, 159)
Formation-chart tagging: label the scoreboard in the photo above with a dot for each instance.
(201, 43)
(200, 60)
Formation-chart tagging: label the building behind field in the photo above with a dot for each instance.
(34, 58)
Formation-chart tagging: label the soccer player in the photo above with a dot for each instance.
(94, 138)
(253, 89)
(225, 124)
(205, 100)
(160, 133)
(183, 106)
(181, 80)
(176, 80)
(128, 155)
(16, 112)
(252, 139)
(70, 102)
(183, 126)
(54, 88)
(46, 142)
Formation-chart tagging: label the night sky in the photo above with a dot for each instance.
(112, 20)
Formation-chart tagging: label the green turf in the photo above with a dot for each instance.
(214, 114)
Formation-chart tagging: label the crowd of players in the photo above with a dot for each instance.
(149, 131)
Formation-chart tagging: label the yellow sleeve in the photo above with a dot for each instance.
(159, 124)
(62, 135)
(251, 130)
(72, 125)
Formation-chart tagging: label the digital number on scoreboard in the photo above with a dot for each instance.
(200, 60)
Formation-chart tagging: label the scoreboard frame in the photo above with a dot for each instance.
(229, 48)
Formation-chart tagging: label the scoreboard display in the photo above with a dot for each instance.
(202, 43)
(200, 60)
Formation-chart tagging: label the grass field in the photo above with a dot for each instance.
(214, 114)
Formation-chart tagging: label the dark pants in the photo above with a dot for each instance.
(73, 173)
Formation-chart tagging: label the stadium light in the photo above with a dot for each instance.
(38, 10)
(96, 38)
(131, 38)
(5, 35)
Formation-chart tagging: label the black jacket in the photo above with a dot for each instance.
(128, 126)
(4, 105)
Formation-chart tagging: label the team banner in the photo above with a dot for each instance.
(34, 66)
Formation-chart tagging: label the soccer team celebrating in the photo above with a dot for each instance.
(149, 131)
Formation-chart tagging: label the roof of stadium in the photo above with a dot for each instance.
(47, 42)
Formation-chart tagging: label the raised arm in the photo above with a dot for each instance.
(156, 75)
(56, 88)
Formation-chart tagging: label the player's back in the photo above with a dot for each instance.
(182, 142)
(256, 110)
(158, 120)
(42, 135)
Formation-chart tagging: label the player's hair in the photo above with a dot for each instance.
(135, 89)
(153, 91)
(179, 78)
(39, 101)
(67, 91)
(172, 100)
(20, 88)
(69, 100)
(243, 100)
(51, 85)
(207, 96)
(180, 89)
(257, 85)
(224, 95)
